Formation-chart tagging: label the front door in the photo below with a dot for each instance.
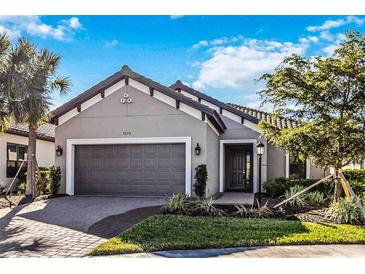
(237, 171)
(239, 168)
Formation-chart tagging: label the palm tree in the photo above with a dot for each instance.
(27, 82)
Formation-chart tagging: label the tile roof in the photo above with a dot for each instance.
(262, 115)
(45, 132)
(179, 85)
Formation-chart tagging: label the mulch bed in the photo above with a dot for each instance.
(316, 214)
(13, 200)
(21, 199)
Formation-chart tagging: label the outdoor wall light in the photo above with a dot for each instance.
(59, 151)
(260, 148)
(197, 149)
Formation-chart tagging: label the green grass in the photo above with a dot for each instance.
(166, 232)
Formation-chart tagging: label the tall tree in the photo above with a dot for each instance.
(326, 95)
(27, 81)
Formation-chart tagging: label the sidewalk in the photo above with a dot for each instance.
(303, 251)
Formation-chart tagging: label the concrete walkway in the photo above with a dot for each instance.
(304, 251)
(230, 198)
(60, 227)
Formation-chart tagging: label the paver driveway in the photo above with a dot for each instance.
(59, 227)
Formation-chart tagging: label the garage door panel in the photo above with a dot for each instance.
(138, 169)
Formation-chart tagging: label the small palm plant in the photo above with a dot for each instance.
(27, 81)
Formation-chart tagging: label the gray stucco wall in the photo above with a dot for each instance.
(145, 117)
(275, 162)
(212, 148)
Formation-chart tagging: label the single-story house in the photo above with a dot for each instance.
(129, 135)
(14, 146)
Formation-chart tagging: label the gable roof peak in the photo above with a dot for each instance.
(125, 69)
(178, 82)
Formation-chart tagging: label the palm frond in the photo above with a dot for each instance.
(63, 84)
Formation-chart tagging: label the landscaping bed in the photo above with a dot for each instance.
(169, 232)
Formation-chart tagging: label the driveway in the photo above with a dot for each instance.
(68, 226)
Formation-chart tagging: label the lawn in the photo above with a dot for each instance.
(166, 232)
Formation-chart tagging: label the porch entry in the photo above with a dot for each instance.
(238, 167)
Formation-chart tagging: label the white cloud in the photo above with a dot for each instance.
(330, 24)
(240, 66)
(217, 42)
(110, 44)
(329, 49)
(33, 25)
(75, 23)
(174, 17)
(200, 44)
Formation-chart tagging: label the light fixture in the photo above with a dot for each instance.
(59, 151)
(197, 149)
(260, 148)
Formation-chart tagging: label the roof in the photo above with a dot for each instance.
(262, 115)
(126, 73)
(45, 132)
(179, 85)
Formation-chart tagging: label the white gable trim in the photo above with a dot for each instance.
(70, 154)
(92, 101)
(139, 86)
(225, 112)
(171, 102)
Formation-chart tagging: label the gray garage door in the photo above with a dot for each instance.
(138, 169)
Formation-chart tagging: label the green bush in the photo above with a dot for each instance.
(358, 187)
(346, 211)
(354, 174)
(186, 205)
(53, 180)
(201, 177)
(278, 186)
(261, 211)
(21, 188)
(314, 198)
(297, 201)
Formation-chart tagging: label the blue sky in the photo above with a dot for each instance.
(219, 55)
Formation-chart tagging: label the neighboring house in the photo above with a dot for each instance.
(13, 150)
(130, 135)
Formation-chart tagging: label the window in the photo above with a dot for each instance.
(16, 154)
(297, 168)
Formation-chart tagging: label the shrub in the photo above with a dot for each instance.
(41, 186)
(53, 180)
(278, 186)
(185, 205)
(21, 188)
(262, 211)
(358, 187)
(201, 177)
(346, 211)
(177, 203)
(354, 174)
(314, 198)
(206, 207)
(297, 201)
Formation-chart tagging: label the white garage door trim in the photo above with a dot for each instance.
(70, 154)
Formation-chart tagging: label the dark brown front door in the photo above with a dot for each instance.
(239, 168)
(237, 171)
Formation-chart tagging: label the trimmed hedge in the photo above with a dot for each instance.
(277, 187)
(354, 174)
